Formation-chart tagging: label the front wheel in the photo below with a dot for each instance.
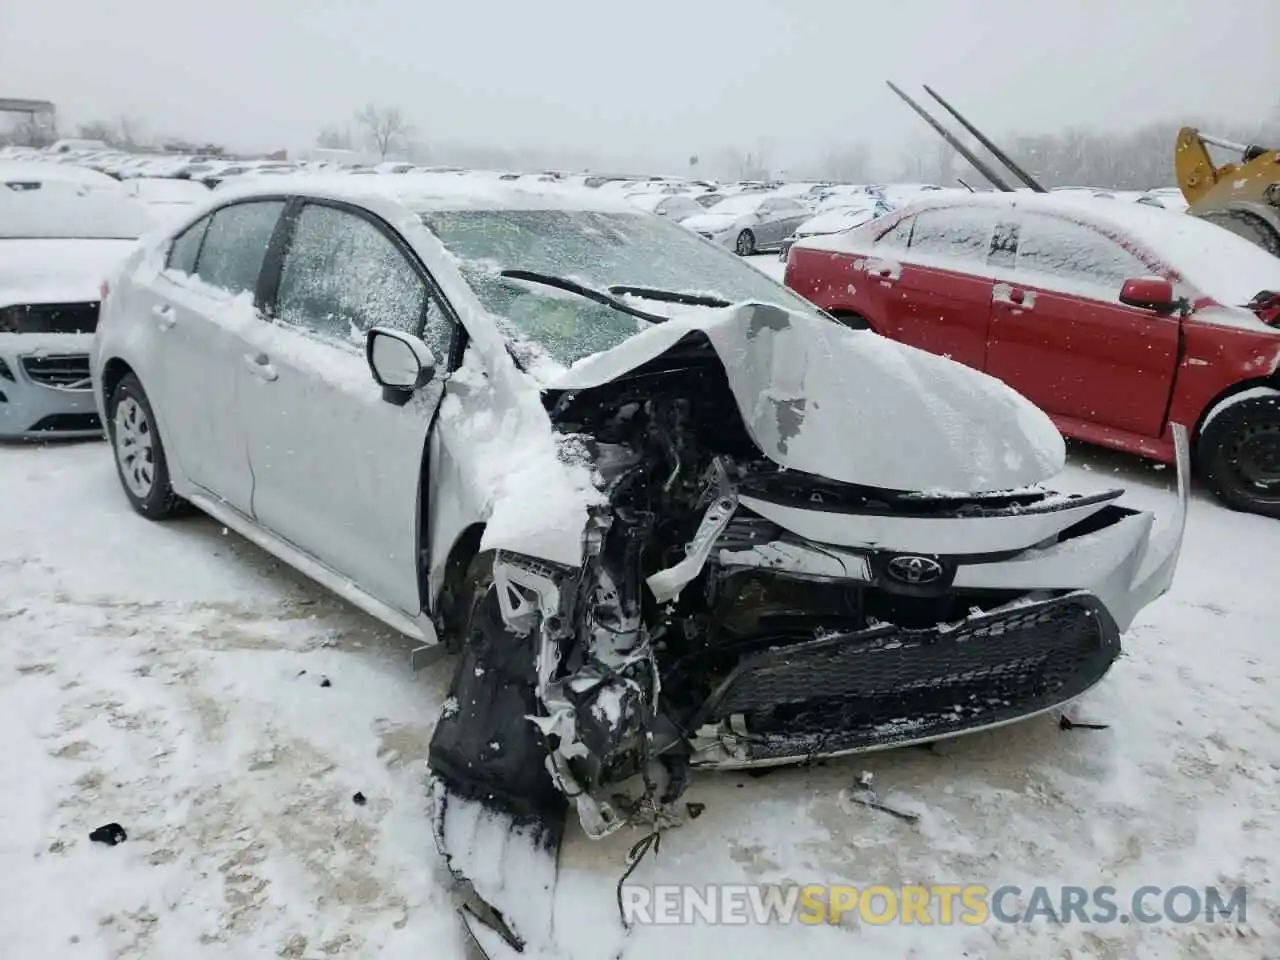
(1239, 455)
(139, 454)
(746, 244)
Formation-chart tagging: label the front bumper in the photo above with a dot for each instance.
(46, 393)
(1086, 569)
(886, 686)
(727, 239)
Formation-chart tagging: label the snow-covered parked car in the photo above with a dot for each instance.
(836, 215)
(666, 513)
(57, 245)
(16, 175)
(675, 207)
(165, 197)
(749, 223)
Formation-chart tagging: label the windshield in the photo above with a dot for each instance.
(737, 206)
(599, 250)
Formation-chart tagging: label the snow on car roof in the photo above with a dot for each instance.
(36, 171)
(65, 214)
(1216, 261)
(422, 192)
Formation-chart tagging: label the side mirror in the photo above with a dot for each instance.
(400, 363)
(1149, 293)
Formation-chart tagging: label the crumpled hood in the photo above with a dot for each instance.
(852, 406)
(710, 222)
(57, 271)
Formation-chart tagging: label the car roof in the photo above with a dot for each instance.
(424, 192)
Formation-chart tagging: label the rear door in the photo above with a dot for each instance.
(786, 215)
(936, 293)
(337, 469)
(198, 305)
(1061, 337)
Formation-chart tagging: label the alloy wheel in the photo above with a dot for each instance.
(133, 442)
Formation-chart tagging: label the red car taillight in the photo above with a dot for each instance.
(103, 289)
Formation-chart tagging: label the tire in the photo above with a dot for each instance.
(1239, 456)
(745, 245)
(139, 453)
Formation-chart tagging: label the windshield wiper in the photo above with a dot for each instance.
(572, 286)
(670, 296)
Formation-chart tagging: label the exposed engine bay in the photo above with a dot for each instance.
(633, 665)
(731, 612)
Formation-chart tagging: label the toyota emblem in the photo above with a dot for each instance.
(916, 571)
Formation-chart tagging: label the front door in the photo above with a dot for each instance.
(337, 469)
(197, 304)
(1061, 337)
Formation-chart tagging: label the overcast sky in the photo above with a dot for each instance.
(659, 79)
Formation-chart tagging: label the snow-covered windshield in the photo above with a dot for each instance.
(737, 206)
(595, 249)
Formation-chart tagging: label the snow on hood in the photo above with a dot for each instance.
(711, 221)
(57, 271)
(852, 406)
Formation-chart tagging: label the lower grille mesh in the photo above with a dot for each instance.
(884, 684)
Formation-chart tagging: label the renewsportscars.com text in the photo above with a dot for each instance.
(941, 904)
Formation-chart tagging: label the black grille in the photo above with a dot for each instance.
(69, 370)
(67, 423)
(889, 684)
(50, 318)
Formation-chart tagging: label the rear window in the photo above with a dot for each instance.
(185, 249)
(954, 233)
(235, 245)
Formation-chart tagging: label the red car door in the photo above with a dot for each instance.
(936, 293)
(1060, 336)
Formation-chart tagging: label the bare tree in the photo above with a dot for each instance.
(98, 130)
(131, 132)
(35, 130)
(850, 163)
(335, 138)
(385, 129)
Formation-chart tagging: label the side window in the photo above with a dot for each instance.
(898, 236)
(182, 254)
(235, 244)
(956, 233)
(1072, 251)
(1004, 245)
(342, 275)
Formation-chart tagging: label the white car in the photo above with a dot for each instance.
(166, 198)
(750, 222)
(30, 174)
(836, 215)
(601, 459)
(675, 207)
(57, 244)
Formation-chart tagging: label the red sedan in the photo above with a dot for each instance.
(1117, 319)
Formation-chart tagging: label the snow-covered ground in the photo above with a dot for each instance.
(171, 677)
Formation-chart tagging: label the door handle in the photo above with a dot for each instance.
(1013, 296)
(165, 317)
(259, 365)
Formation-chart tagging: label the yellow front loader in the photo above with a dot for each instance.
(1243, 197)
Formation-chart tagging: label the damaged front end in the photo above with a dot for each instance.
(732, 612)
